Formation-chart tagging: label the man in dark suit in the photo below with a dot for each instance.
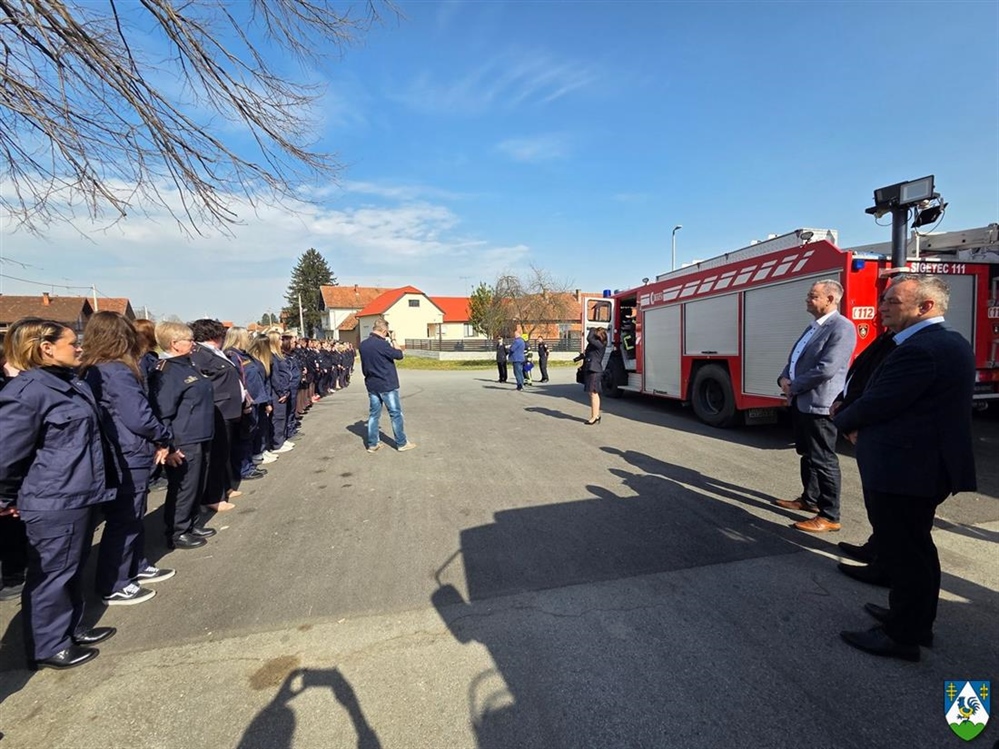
(814, 374)
(859, 374)
(912, 429)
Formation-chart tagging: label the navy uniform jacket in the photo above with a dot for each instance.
(183, 399)
(53, 455)
(543, 352)
(225, 380)
(257, 386)
(147, 364)
(378, 358)
(913, 421)
(130, 425)
(280, 377)
(593, 356)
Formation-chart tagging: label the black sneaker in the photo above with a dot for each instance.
(154, 574)
(129, 595)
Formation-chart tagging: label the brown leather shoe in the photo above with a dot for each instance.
(796, 504)
(818, 524)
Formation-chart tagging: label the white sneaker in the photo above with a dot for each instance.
(289, 442)
(285, 448)
(408, 446)
(269, 457)
(257, 458)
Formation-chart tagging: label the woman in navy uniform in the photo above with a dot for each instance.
(258, 385)
(54, 468)
(110, 366)
(593, 366)
(282, 373)
(183, 399)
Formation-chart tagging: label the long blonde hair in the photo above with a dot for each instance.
(260, 349)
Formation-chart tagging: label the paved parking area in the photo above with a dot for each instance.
(519, 580)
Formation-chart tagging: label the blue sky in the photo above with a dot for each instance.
(482, 137)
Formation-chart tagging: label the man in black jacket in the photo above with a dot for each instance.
(501, 358)
(208, 359)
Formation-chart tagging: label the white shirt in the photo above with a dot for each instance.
(805, 338)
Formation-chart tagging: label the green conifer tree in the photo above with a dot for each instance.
(311, 272)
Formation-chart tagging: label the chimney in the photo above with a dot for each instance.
(45, 299)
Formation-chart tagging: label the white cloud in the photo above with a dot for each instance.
(534, 149)
(386, 238)
(506, 81)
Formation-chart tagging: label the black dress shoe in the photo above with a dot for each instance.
(94, 635)
(876, 642)
(203, 532)
(863, 553)
(257, 474)
(186, 541)
(71, 657)
(882, 614)
(868, 574)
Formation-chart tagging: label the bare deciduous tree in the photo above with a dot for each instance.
(106, 103)
(535, 301)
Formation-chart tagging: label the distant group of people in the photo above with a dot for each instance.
(520, 356)
(87, 428)
(906, 404)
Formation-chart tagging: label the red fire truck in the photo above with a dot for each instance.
(716, 333)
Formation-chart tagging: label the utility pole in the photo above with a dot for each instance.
(301, 317)
(675, 230)
(93, 289)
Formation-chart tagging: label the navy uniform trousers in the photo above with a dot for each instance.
(186, 486)
(59, 543)
(121, 555)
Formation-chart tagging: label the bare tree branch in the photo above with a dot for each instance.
(86, 109)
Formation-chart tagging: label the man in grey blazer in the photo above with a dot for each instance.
(814, 375)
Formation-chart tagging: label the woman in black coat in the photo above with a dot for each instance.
(593, 367)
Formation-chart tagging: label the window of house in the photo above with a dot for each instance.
(414, 302)
(469, 331)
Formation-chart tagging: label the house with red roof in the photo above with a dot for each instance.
(340, 305)
(71, 311)
(409, 312)
(121, 305)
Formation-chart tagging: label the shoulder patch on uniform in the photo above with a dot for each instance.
(192, 378)
(161, 364)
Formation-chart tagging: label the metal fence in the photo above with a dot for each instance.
(570, 343)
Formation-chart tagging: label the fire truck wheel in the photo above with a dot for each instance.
(712, 397)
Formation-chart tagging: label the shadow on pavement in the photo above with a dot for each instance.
(274, 726)
(644, 667)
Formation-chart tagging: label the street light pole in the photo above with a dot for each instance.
(675, 230)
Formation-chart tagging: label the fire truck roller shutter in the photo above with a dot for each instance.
(774, 316)
(712, 398)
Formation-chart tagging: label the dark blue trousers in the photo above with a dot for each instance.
(122, 551)
(186, 484)
(815, 441)
(58, 546)
(279, 422)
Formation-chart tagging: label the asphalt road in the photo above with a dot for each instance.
(519, 580)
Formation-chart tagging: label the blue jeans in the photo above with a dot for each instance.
(394, 407)
(518, 373)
